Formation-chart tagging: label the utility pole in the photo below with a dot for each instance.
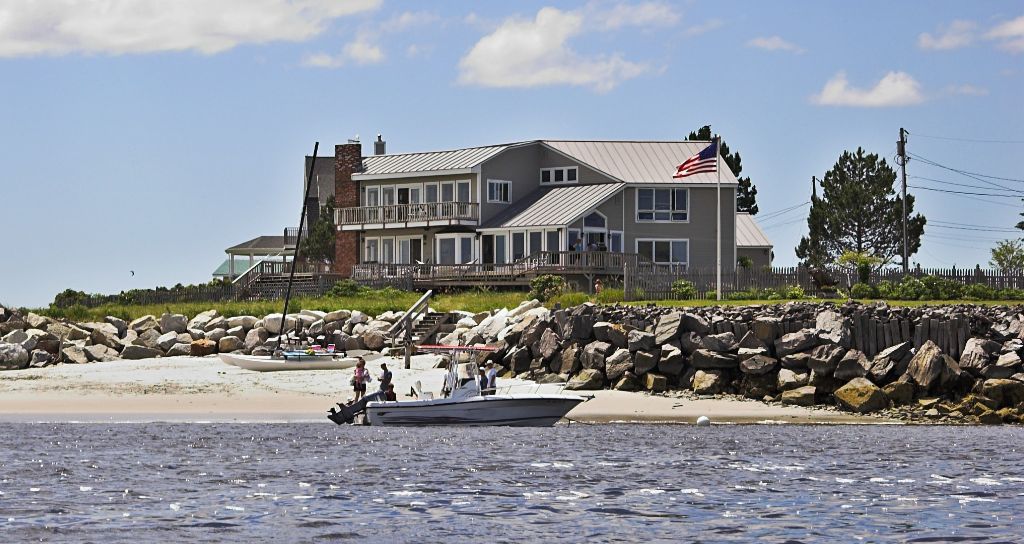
(901, 152)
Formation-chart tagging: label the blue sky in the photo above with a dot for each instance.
(149, 136)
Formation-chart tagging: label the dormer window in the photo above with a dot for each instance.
(562, 174)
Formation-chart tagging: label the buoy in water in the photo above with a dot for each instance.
(703, 421)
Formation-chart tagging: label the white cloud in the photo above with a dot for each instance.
(359, 51)
(954, 36)
(895, 89)
(642, 14)
(407, 20)
(966, 90)
(1010, 35)
(703, 28)
(536, 52)
(775, 43)
(58, 27)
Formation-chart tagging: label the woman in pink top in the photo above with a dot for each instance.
(359, 379)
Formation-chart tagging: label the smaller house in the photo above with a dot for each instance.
(751, 241)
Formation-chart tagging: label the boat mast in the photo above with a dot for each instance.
(298, 240)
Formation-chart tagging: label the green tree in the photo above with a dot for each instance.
(1008, 254)
(859, 211)
(746, 193)
(319, 242)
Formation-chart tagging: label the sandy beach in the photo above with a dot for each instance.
(206, 389)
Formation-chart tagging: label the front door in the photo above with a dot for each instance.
(487, 249)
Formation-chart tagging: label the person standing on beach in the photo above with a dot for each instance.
(385, 377)
(360, 376)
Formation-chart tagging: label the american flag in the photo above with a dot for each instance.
(705, 161)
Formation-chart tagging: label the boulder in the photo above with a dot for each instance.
(245, 321)
(139, 352)
(1009, 360)
(99, 353)
(708, 382)
(547, 346)
(197, 334)
(580, 323)
(854, 364)
(12, 324)
(587, 379)
(794, 342)
(758, 365)
(36, 321)
(593, 355)
(694, 323)
(199, 348)
(671, 362)
(40, 359)
(801, 396)
(640, 340)
(824, 383)
(628, 382)
(795, 361)
(569, 360)
(180, 350)
(229, 344)
(601, 330)
(215, 335)
(144, 323)
(668, 327)
(645, 361)
(374, 340)
(767, 329)
(256, 337)
(1004, 392)
(13, 357)
(148, 338)
(74, 355)
(751, 341)
(787, 379)
(16, 336)
(824, 359)
(707, 360)
(237, 332)
(165, 341)
(757, 386)
(518, 359)
(617, 363)
(655, 382)
(105, 338)
(118, 323)
(337, 315)
(926, 366)
(833, 327)
(200, 320)
(689, 342)
(721, 343)
(745, 353)
(861, 396)
(977, 354)
(173, 323)
(899, 392)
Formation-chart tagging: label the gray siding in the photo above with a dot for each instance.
(700, 230)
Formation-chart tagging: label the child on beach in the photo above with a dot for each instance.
(360, 377)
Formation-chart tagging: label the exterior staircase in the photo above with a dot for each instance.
(426, 329)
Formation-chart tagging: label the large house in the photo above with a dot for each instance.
(499, 204)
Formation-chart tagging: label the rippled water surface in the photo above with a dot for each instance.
(312, 481)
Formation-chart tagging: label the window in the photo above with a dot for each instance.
(497, 191)
(664, 251)
(454, 248)
(572, 236)
(370, 254)
(536, 239)
(499, 249)
(462, 191)
(552, 240)
(371, 196)
(430, 192)
(518, 245)
(594, 220)
(564, 174)
(448, 192)
(387, 195)
(409, 195)
(615, 241)
(387, 250)
(668, 204)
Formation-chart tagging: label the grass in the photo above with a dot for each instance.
(377, 302)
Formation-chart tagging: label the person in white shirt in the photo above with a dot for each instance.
(492, 378)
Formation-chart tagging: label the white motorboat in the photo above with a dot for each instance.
(464, 406)
(293, 361)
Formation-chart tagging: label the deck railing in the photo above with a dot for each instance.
(406, 213)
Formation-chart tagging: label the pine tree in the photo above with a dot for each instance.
(746, 193)
(318, 245)
(859, 211)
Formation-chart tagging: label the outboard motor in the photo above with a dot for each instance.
(347, 414)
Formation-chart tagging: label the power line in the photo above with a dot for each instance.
(961, 184)
(974, 229)
(964, 172)
(960, 192)
(975, 140)
(791, 222)
(772, 215)
(967, 225)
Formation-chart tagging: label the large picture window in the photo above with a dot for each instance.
(454, 248)
(497, 191)
(665, 251)
(670, 204)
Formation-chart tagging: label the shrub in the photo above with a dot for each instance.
(347, 288)
(980, 291)
(791, 292)
(610, 296)
(911, 289)
(942, 289)
(683, 290)
(887, 290)
(1010, 294)
(862, 290)
(745, 262)
(547, 286)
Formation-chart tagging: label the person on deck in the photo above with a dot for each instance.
(385, 377)
(492, 378)
(389, 394)
(482, 382)
(360, 377)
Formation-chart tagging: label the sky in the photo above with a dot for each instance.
(147, 136)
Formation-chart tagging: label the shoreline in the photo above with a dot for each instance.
(187, 389)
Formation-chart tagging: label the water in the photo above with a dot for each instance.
(314, 481)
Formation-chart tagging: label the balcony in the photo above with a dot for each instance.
(430, 214)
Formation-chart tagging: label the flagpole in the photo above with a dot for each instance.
(718, 209)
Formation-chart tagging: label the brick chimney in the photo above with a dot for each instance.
(348, 159)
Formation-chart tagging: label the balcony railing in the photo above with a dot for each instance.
(408, 213)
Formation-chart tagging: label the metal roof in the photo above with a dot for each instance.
(260, 243)
(554, 206)
(641, 162)
(749, 233)
(457, 159)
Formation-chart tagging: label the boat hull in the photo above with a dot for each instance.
(266, 364)
(495, 410)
